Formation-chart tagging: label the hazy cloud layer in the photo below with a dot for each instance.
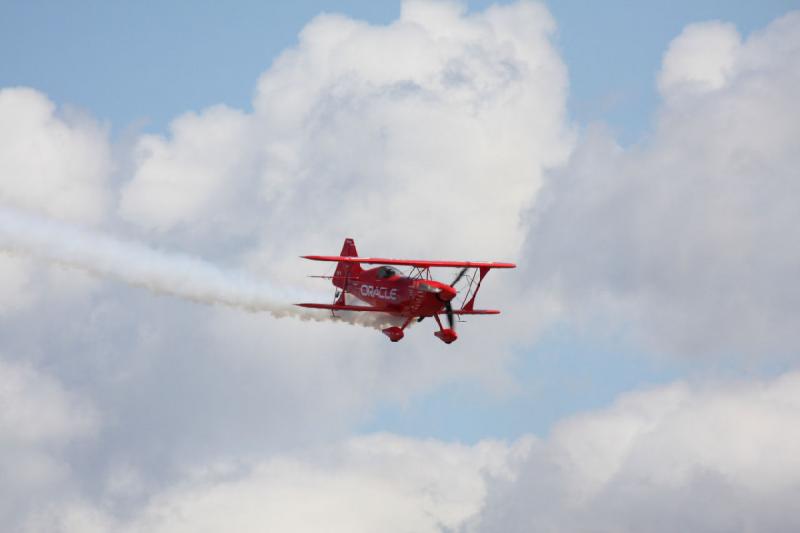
(38, 419)
(377, 482)
(707, 457)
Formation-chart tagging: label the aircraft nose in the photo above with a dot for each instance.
(443, 292)
(448, 292)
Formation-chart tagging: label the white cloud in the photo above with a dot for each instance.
(691, 235)
(701, 458)
(427, 136)
(431, 134)
(180, 181)
(55, 163)
(379, 482)
(701, 58)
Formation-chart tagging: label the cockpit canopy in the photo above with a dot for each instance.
(386, 272)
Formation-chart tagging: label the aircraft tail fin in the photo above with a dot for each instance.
(346, 270)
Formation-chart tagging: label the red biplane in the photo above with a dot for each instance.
(413, 296)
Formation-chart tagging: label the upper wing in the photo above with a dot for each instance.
(407, 262)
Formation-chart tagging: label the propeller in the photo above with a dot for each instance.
(460, 275)
(449, 310)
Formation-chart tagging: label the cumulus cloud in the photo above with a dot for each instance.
(182, 181)
(690, 234)
(367, 131)
(701, 458)
(53, 162)
(701, 58)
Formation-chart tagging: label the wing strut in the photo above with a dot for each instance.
(469, 306)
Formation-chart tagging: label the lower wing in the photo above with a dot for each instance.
(335, 307)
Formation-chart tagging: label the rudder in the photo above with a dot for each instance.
(346, 270)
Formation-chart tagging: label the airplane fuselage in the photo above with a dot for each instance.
(398, 294)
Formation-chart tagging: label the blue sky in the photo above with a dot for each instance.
(142, 63)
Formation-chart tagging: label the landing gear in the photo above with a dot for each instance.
(447, 335)
(396, 333)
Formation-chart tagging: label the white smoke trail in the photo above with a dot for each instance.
(167, 273)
